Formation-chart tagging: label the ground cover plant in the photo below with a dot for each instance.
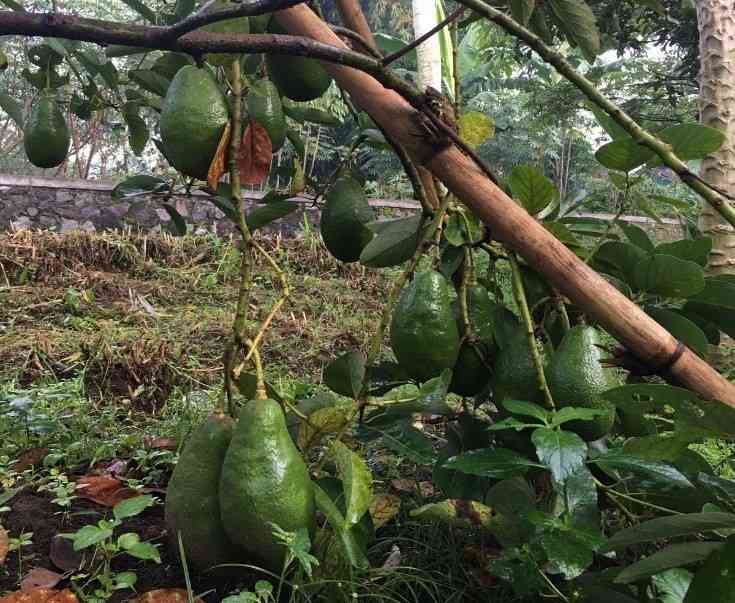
(536, 381)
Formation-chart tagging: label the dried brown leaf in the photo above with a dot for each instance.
(383, 508)
(218, 167)
(256, 152)
(404, 485)
(40, 577)
(4, 545)
(41, 595)
(165, 595)
(63, 555)
(105, 490)
(30, 458)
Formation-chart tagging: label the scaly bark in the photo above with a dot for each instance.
(716, 20)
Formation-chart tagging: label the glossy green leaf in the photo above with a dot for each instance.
(623, 155)
(407, 441)
(658, 447)
(137, 128)
(692, 141)
(649, 475)
(529, 409)
(577, 500)
(534, 190)
(145, 551)
(357, 483)
(433, 394)
(638, 236)
(396, 242)
(668, 276)
(346, 374)
(682, 328)
(611, 127)
(89, 536)
(139, 185)
(497, 463)
(620, 260)
(13, 109)
(522, 10)
(715, 580)
(304, 113)
(693, 250)
(350, 542)
(132, 506)
(573, 413)
(265, 214)
(150, 81)
(672, 585)
(716, 293)
(579, 24)
(569, 553)
(672, 526)
(13, 5)
(176, 219)
(563, 452)
(673, 556)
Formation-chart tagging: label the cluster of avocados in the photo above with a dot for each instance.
(233, 481)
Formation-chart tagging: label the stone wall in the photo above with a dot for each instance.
(66, 205)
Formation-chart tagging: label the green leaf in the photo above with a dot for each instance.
(668, 276)
(511, 423)
(454, 512)
(350, 542)
(674, 555)
(150, 81)
(89, 536)
(672, 585)
(137, 128)
(132, 506)
(651, 475)
(672, 526)
(145, 551)
(388, 44)
(715, 580)
(620, 260)
(659, 447)
(304, 113)
(579, 24)
(573, 413)
(357, 482)
(408, 441)
(568, 551)
(613, 129)
(623, 155)
(13, 5)
(522, 10)
(432, 394)
(396, 242)
(577, 500)
(127, 541)
(534, 190)
(261, 216)
(529, 409)
(692, 141)
(462, 228)
(563, 452)
(696, 250)
(140, 8)
(13, 109)
(682, 328)
(716, 293)
(139, 185)
(346, 374)
(125, 580)
(476, 128)
(176, 218)
(497, 463)
(638, 236)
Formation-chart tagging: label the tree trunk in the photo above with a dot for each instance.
(512, 225)
(716, 20)
(429, 53)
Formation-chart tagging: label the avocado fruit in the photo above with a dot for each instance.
(264, 106)
(423, 331)
(193, 118)
(239, 25)
(264, 481)
(46, 136)
(471, 373)
(297, 78)
(344, 220)
(576, 378)
(192, 497)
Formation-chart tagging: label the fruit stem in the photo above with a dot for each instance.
(260, 391)
(520, 294)
(467, 276)
(561, 307)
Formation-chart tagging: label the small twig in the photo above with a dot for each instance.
(356, 37)
(421, 39)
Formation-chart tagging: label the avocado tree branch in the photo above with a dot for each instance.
(354, 19)
(716, 198)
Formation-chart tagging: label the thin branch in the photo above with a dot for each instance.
(354, 19)
(421, 39)
(356, 37)
(713, 196)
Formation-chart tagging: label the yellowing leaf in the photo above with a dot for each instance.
(4, 545)
(476, 128)
(322, 422)
(383, 508)
(219, 163)
(298, 182)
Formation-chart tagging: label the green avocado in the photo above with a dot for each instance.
(344, 218)
(193, 119)
(715, 580)
(264, 106)
(423, 331)
(471, 373)
(239, 25)
(297, 78)
(46, 135)
(192, 497)
(264, 480)
(515, 375)
(576, 378)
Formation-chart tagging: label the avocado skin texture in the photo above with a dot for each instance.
(344, 218)
(192, 498)
(297, 78)
(423, 332)
(46, 140)
(715, 580)
(193, 118)
(576, 378)
(264, 106)
(264, 480)
(471, 373)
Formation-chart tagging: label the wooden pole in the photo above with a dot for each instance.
(512, 225)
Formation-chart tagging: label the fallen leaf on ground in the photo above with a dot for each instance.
(256, 153)
(4, 545)
(41, 595)
(383, 508)
(29, 458)
(105, 490)
(218, 167)
(426, 489)
(165, 595)
(40, 577)
(63, 555)
(404, 485)
(394, 558)
(161, 443)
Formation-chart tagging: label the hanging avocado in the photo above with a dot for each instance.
(46, 136)
(576, 378)
(297, 78)
(193, 118)
(264, 106)
(344, 218)
(423, 331)
(264, 481)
